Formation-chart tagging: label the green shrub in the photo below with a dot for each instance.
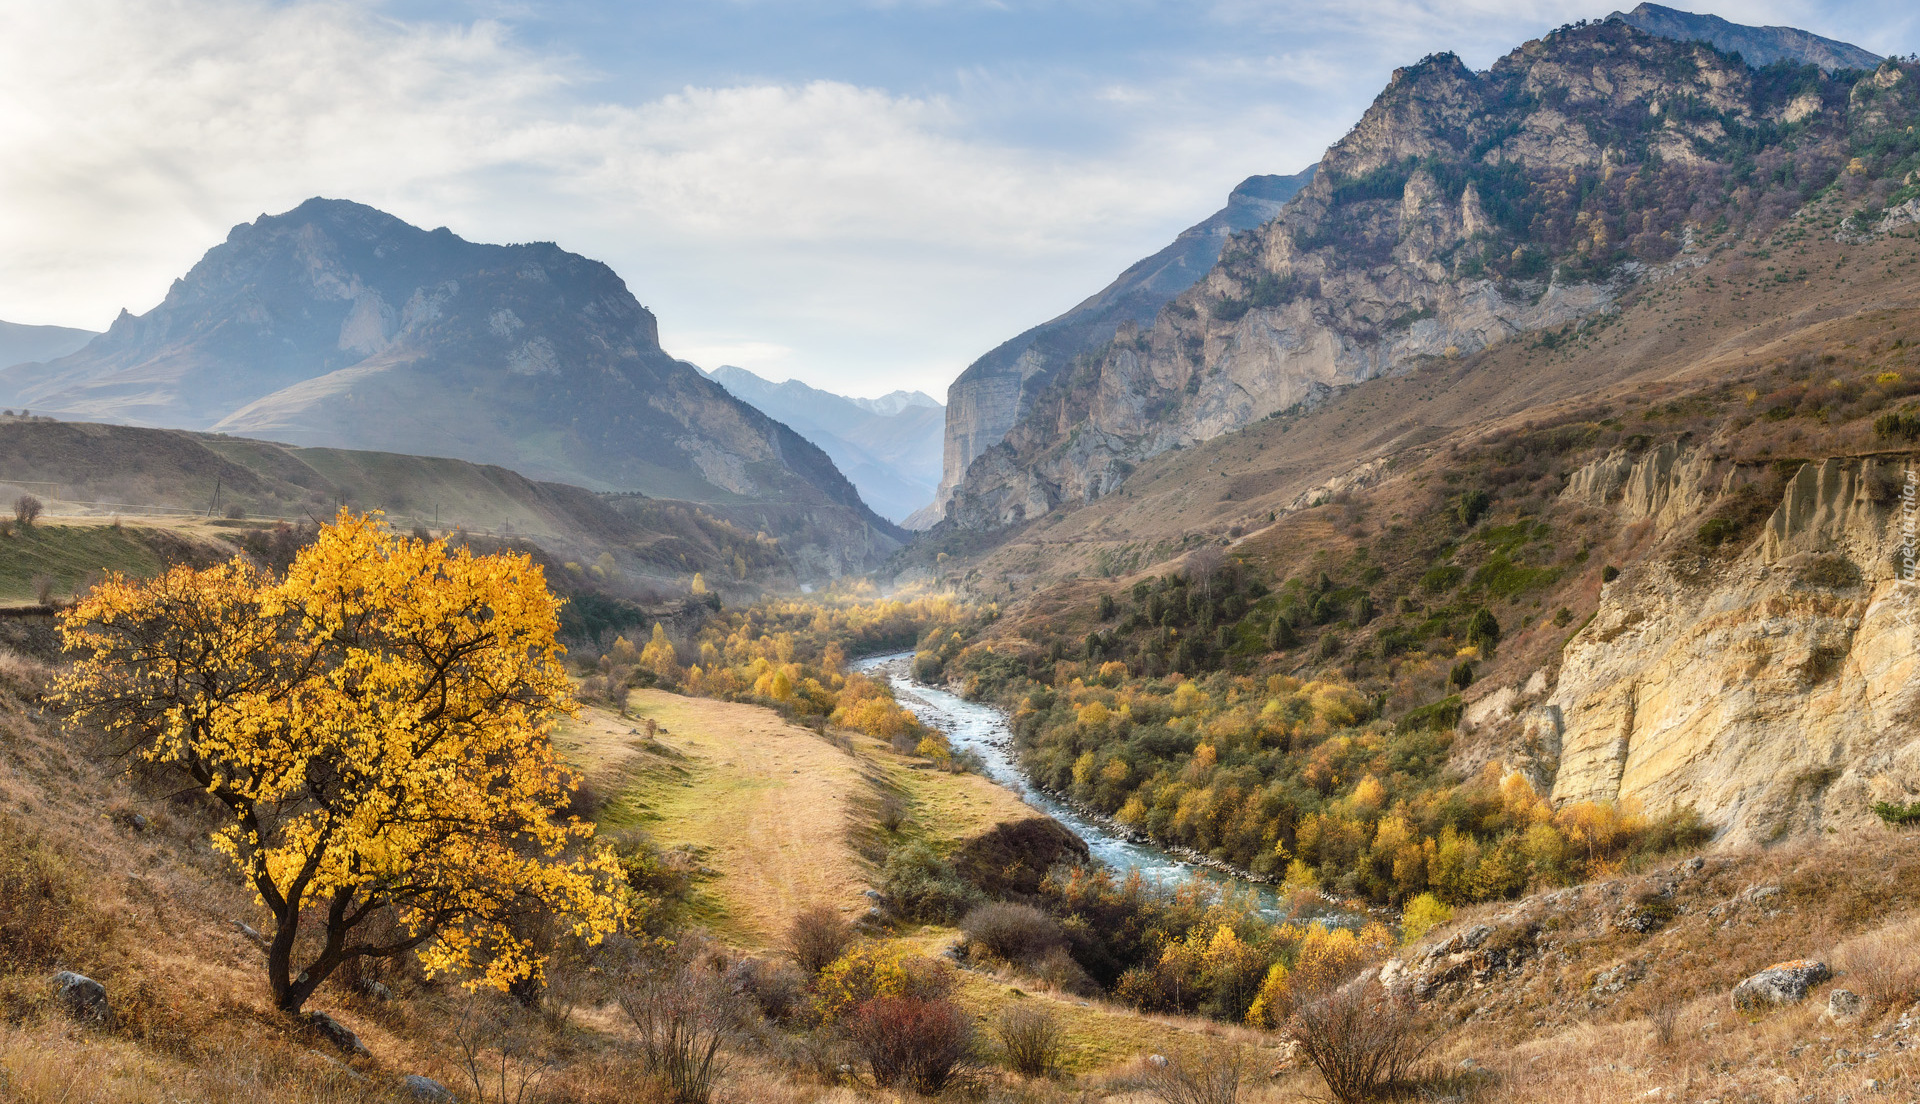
(1903, 424)
(1896, 814)
(1440, 715)
(1716, 532)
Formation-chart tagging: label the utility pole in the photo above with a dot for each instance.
(216, 497)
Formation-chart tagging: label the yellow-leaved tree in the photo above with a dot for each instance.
(377, 725)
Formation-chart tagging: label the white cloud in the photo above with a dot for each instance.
(875, 233)
(857, 237)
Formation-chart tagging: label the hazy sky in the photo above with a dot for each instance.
(861, 195)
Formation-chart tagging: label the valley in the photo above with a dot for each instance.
(1440, 629)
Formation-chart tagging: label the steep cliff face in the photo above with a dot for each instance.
(338, 325)
(1775, 692)
(991, 395)
(1463, 209)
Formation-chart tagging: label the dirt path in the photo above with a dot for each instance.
(767, 802)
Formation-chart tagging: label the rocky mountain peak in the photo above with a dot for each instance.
(338, 324)
(1759, 46)
(1462, 209)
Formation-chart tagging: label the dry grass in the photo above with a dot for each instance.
(764, 803)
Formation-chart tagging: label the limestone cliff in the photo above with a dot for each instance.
(1462, 210)
(1775, 692)
(991, 395)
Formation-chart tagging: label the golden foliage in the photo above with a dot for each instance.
(377, 726)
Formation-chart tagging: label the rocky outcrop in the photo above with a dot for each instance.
(1443, 223)
(992, 394)
(1662, 484)
(82, 998)
(1779, 984)
(1774, 691)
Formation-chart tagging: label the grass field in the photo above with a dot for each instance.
(775, 810)
(68, 554)
(771, 808)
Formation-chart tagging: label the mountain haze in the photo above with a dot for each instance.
(20, 343)
(888, 447)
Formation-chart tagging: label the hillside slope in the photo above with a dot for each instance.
(19, 343)
(92, 471)
(336, 325)
(1683, 519)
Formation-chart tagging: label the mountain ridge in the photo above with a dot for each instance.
(990, 396)
(339, 325)
(888, 447)
(1461, 210)
(1759, 46)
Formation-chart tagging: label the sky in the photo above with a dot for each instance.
(861, 195)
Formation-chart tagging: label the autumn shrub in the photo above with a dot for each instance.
(1215, 1075)
(1013, 933)
(1884, 966)
(777, 989)
(1422, 915)
(1362, 1041)
(1032, 1040)
(871, 970)
(816, 937)
(37, 901)
(913, 1042)
(683, 1017)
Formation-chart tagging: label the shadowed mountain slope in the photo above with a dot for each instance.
(337, 325)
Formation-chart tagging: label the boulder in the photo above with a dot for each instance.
(1843, 1004)
(82, 998)
(1778, 984)
(374, 990)
(337, 1033)
(426, 1089)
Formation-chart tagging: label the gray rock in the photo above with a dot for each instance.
(1844, 1004)
(371, 988)
(337, 1033)
(427, 1089)
(1781, 983)
(82, 998)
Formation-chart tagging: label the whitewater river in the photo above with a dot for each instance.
(983, 730)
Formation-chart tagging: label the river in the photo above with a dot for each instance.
(983, 730)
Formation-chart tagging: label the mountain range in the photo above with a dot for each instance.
(888, 447)
(1463, 209)
(1758, 46)
(338, 325)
